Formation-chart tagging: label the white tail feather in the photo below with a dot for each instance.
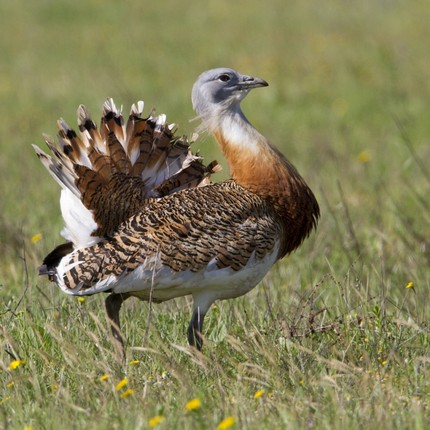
(79, 221)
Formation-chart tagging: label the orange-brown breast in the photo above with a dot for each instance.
(264, 171)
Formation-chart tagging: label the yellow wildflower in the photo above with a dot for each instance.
(36, 238)
(81, 299)
(410, 285)
(104, 377)
(226, 423)
(127, 393)
(364, 157)
(193, 404)
(4, 400)
(121, 384)
(10, 384)
(14, 364)
(259, 394)
(155, 421)
(134, 362)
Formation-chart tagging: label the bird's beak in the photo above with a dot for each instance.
(248, 82)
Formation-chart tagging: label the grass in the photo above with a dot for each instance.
(332, 335)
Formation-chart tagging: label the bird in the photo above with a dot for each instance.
(144, 219)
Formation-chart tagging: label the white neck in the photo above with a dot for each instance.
(234, 128)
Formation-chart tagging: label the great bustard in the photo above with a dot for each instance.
(143, 219)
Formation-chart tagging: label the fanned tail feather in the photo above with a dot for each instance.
(108, 173)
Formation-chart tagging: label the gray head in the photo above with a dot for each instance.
(222, 89)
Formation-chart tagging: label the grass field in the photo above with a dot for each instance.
(337, 335)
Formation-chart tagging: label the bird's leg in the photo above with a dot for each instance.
(113, 304)
(195, 329)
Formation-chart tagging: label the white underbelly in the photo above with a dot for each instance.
(165, 284)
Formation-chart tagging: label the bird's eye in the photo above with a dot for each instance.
(224, 77)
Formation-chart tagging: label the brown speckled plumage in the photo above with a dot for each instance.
(153, 226)
(186, 230)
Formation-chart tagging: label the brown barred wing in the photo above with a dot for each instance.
(221, 225)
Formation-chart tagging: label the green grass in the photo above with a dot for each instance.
(332, 335)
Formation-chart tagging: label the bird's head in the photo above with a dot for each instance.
(222, 88)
